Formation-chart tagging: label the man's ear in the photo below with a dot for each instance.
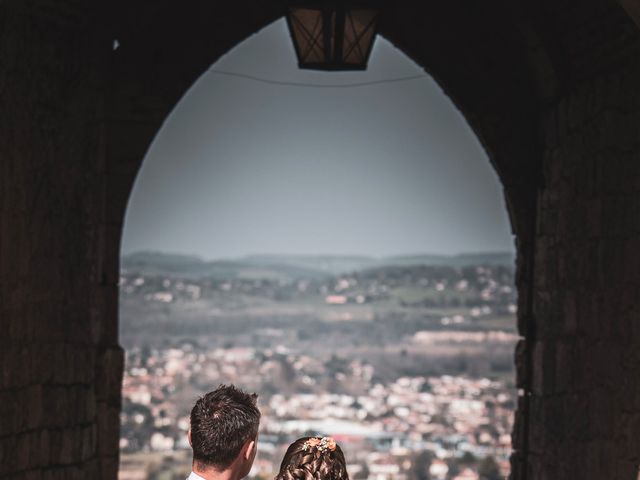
(189, 436)
(250, 446)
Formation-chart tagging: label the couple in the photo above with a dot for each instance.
(224, 435)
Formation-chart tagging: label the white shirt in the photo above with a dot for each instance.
(194, 476)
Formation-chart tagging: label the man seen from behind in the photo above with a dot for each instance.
(224, 434)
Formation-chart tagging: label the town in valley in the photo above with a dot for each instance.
(407, 362)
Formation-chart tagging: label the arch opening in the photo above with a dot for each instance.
(167, 291)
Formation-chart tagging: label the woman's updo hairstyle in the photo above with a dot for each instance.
(313, 458)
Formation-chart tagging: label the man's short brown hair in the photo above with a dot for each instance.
(221, 422)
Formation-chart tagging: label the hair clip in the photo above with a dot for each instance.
(322, 444)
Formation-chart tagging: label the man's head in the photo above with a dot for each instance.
(224, 430)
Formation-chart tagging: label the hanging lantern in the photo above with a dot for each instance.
(332, 35)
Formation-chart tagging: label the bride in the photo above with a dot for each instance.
(313, 458)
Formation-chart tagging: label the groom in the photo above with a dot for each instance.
(224, 434)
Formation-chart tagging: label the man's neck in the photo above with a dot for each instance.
(212, 474)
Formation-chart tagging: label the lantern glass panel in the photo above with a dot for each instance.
(308, 34)
(359, 29)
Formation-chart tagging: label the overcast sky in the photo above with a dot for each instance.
(243, 167)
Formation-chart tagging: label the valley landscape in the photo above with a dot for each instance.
(408, 361)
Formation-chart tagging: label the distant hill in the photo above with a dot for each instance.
(188, 266)
(291, 267)
(162, 261)
(325, 264)
(462, 260)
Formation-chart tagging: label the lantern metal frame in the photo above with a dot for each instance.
(335, 17)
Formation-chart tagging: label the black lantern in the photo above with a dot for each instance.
(332, 35)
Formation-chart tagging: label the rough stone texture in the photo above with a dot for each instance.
(583, 418)
(54, 346)
(587, 286)
(550, 88)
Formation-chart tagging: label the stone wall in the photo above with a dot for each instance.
(582, 408)
(60, 362)
(551, 89)
(585, 408)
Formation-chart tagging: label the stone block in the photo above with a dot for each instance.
(518, 434)
(33, 403)
(91, 469)
(570, 314)
(601, 413)
(42, 449)
(626, 470)
(88, 405)
(547, 314)
(109, 375)
(33, 475)
(8, 412)
(108, 432)
(578, 413)
(565, 367)
(536, 433)
(543, 380)
(66, 449)
(6, 460)
(109, 467)
(58, 407)
(20, 455)
(521, 361)
(89, 443)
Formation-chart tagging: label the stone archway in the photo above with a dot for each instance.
(550, 88)
(499, 105)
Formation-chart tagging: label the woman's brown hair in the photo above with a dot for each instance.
(305, 462)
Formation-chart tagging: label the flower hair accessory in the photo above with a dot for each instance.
(323, 444)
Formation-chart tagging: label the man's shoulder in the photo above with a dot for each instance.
(194, 476)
